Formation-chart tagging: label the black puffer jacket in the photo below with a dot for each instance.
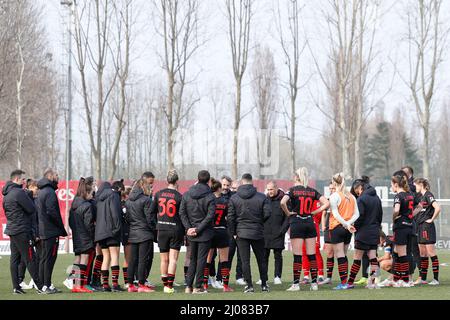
(248, 211)
(277, 225)
(49, 214)
(141, 223)
(34, 216)
(368, 224)
(109, 214)
(198, 209)
(19, 210)
(82, 223)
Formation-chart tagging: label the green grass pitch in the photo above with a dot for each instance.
(278, 292)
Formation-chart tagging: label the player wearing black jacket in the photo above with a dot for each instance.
(403, 228)
(368, 225)
(166, 210)
(51, 226)
(427, 212)
(142, 233)
(197, 214)
(19, 210)
(108, 233)
(82, 224)
(247, 212)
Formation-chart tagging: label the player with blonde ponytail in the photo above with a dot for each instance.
(344, 212)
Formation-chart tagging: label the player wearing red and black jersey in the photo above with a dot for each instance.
(302, 226)
(403, 228)
(166, 207)
(221, 238)
(426, 212)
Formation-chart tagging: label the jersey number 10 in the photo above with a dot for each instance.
(305, 205)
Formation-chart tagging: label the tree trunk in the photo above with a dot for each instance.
(237, 121)
(170, 129)
(293, 122)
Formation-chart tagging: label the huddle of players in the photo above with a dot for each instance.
(101, 220)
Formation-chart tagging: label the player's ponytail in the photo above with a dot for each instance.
(301, 176)
(424, 182)
(215, 185)
(402, 182)
(339, 182)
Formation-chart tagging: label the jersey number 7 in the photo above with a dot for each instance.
(167, 207)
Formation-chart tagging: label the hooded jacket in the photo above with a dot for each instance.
(49, 215)
(19, 210)
(82, 223)
(368, 224)
(141, 223)
(277, 225)
(198, 209)
(248, 211)
(109, 214)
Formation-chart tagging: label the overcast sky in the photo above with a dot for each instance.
(213, 62)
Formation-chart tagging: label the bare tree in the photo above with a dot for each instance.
(427, 37)
(124, 20)
(265, 95)
(239, 15)
(292, 47)
(178, 28)
(93, 51)
(352, 26)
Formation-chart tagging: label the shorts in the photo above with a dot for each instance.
(426, 233)
(402, 235)
(340, 235)
(221, 239)
(303, 230)
(77, 253)
(326, 236)
(108, 243)
(170, 239)
(364, 246)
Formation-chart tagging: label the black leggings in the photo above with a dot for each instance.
(199, 255)
(234, 249)
(278, 261)
(48, 252)
(22, 250)
(258, 248)
(140, 255)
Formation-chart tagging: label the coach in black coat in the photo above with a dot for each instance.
(19, 210)
(197, 212)
(248, 211)
(277, 225)
(109, 214)
(51, 226)
(82, 223)
(49, 214)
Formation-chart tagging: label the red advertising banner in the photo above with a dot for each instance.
(63, 195)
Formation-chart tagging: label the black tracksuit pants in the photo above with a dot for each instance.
(278, 255)
(260, 253)
(22, 250)
(234, 249)
(199, 254)
(48, 253)
(140, 255)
